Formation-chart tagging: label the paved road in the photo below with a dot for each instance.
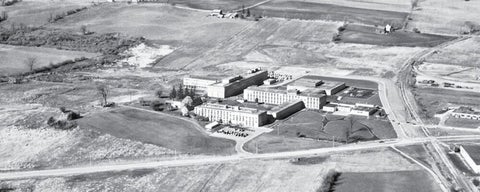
(216, 159)
(411, 107)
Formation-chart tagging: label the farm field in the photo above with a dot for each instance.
(161, 130)
(464, 54)
(321, 11)
(310, 129)
(398, 181)
(244, 175)
(207, 45)
(225, 5)
(386, 5)
(444, 16)
(11, 64)
(37, 12)
(432, 100)
(371, 35)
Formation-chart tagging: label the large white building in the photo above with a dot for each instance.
(313, 99)
(235, 85)
(471, 154)
(234, 115)
(304, 83)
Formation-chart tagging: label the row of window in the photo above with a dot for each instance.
(228, 116)
(279, 98)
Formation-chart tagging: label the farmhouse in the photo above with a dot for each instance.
(466, 113)
(235, 115)
(312, 98)
(235, 85)
(471, 154)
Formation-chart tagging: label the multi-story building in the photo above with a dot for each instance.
(234, 115)
(470, 152)
(304, 83)
(286, 109)
(198, 83)
(312, 98)
(235, 85)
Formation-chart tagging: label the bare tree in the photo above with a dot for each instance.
(103, 91)
(83, 29)
(30, 63)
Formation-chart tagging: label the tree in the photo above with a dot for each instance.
(159, 93)
(187, 101)
(83, 29)
(173, 94)
(187, 92)
(180, 94)
(248, 12)
(103, 91)
(4, 16)
(192, 92)
(30, 63)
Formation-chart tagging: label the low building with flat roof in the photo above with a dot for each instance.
(313, 99)
(198, 83)
(286, 109)
(235, 85)
(466, 113)
(471, 154)
(234, 115)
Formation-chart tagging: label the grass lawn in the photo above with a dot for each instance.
(322, 11)
(13, 57)
(398, 181)
(157, 129)
(465, 123)
(370, 35)
(311, 129)
(432, 100)
(418, 152)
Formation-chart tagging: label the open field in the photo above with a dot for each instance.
(465, 53)
(28, 143)
(371, 35)
(37, 12)
(244, 175)
(432, 100)
(321, 11)
(310, 129)
(232, 45)
(225, 5)
(13, 57)
(160, 22)
(465, 123)
(164, 131)
(453, 72)
(444, 16)
(398, 181)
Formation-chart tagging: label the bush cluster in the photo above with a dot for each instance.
(57, 17)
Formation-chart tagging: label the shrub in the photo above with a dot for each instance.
(416, 30)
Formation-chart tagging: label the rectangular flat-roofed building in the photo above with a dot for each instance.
(304, 83)
(198, 83)
(313, 99)
(471, 154)
(466, 113)
(235, 85)
(234, 115)
(286, 109)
